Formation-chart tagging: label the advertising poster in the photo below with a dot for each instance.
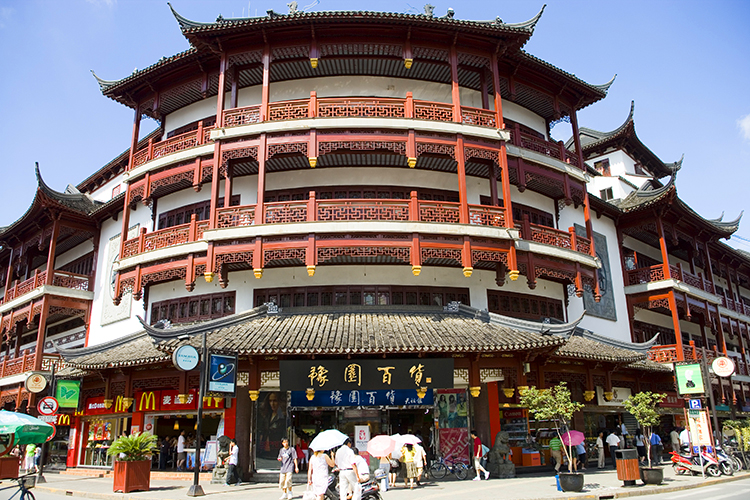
(67, 393)
(272, 423)
(689, 378)
(455, 443)
(700, 433)
(222, 373)
(452, 409)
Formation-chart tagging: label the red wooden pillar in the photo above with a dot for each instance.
(496, 86)
(586, 204)
(721, 343)
(493, 185)
(259, 216)
(265, 92)
(502, 159)
(126, 206)
(51, 252)
(76, 430)
(663, 248)
(455, 90)
(235, 83)
(462, 194)
(215, 183)
(493, 400)
(9, 273)
(708, 266)
(676, 325)
(228, 186)
(230, 418)
(221, 95)
(41, 334)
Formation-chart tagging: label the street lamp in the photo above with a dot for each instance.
(196, 490)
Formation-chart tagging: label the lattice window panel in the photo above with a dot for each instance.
(117, 388)
(172, 179)
(284, 255)
(367, 49)
(478, 256)
(480, 153)
(441, 254)
(235, 154)
(156, 383)
(161, 276)
(532, 379)
(92, 393)
(555, 274)
(232, 258)
(328, 147)
(436, 149)
(287, 148)
(389, 254)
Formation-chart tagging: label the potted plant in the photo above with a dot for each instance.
(555, 404)
(132, 456)
(643, 408)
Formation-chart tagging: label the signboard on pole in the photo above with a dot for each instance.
(47, 405)
(221, 375)
(723, 366)
(695, 404)
(36, 383)
(689, 378)
(67, 393)
(700, 431)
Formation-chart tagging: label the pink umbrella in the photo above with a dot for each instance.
(573, 438)
(381, 446)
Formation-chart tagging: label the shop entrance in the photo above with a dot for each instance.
(168, 428)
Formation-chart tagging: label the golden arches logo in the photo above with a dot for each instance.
(63, 419)
(147, 401)
(120, 406)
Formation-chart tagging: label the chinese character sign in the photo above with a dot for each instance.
(397, 397)
(366, 374)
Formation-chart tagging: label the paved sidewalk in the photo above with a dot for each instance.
(599, 485)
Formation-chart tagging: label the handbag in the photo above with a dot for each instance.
(308, 494)
(485, 450)
(395, 464)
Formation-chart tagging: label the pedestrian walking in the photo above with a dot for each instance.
(288, 458)
(317, 473)
(581, 452)
(674, 439)
(29, 457)
(614, 444)
(410, 468)
(600, 449)
(361, 469)
(181, 454)
(555, 450)
(478, 457)
(685, 440)
(625, 434)
(233, 477)
(420, 458)
(656, 448)
(640, 445)
(347, 476)
(385, 465)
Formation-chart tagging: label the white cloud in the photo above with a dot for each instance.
(744, 126)
(103, 3)
(5, 13)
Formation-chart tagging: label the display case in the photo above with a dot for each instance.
(542, 432)
(515, 422)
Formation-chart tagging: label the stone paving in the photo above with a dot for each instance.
(599, 484)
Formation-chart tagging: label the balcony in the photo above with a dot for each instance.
(62, 279)
(668, 354)
(656, 273)
(351, 107)
(22, 364)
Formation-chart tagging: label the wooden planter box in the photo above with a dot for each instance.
(9, 467)
(132, 476)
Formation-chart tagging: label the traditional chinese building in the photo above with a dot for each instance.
(373, 228)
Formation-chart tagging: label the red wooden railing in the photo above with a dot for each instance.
(163, 238)
(157, 148)
(552, 149)
(24, 363)
(61, 278)
(555, 237)
(71, 280)
(668, 354)
(24, 287)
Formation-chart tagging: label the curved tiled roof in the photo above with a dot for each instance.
(129, 350)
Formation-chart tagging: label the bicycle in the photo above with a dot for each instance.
(442, 466)
(25, 483)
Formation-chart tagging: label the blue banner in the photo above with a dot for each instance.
(394, 397)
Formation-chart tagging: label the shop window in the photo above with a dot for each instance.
(606, 194)
(186, 310)
(356, 296)
(602, 166)
(183, 214)
(524, 306)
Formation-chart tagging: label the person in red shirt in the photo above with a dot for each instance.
(478, 457)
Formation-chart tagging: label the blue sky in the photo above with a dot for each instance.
(684, 63)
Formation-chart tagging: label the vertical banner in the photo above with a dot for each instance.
(222, 375)
(67, 393)
(700, 433)
(455, 443)
(272, 424)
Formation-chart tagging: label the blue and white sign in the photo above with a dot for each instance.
(222, 374)
(695, 404)
(186, 358)
(395, 397)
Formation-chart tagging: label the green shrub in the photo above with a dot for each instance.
(133, 448)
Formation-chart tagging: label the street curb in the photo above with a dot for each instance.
(653, 490)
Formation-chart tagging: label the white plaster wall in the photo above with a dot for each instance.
(641, 247)
(189, 114)
(597, 184)
(74, 253)
(104, 193)
(569, 215)
(513, 111)
(382, 176)
(99, 333)
(531, 199)
(620, 328)
(665, 321)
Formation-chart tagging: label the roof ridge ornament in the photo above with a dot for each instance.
(103, 84)
(530, 24)
(429, 10)
(184, 22)
(658, 191)
(604, 87)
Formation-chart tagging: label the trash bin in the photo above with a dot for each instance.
(627, 466)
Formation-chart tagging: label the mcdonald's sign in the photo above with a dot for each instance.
(147, 401)
(63, 419)
(120, 406)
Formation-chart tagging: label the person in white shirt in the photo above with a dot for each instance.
(360, 468)
(181, 455)
(234, 454)
(614, 444)
(347, 476)
(625, 435)
(600, 449)
(419, 460)
(685, 439)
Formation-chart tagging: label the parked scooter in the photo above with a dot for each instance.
(726, 464)
(704, 463)
(370, 489)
